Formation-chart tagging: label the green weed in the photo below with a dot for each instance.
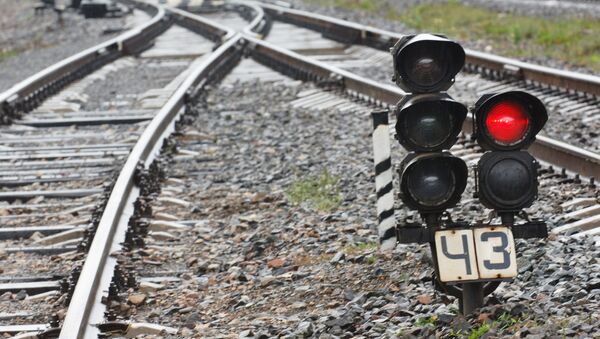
(320, 192)
(7, 54)
(360, 248)
(426, 321)
(476, 333)
(370, 260)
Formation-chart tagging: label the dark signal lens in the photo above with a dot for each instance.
(426, 63)
(429, 122)
(510, 179)
(425, 70)
(430, 184)
(507, 180)
(429, 129)
(507, 122)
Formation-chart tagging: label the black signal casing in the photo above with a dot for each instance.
(534, 107)
(450, 114)
(451, 57)
(432, 162)
(507, 181)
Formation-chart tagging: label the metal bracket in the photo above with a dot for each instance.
(416, 233)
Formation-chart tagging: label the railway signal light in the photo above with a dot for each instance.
(428, 122)
(470, 260)
(506, 124)
(508, 121)
(426, 63)
(432, 182)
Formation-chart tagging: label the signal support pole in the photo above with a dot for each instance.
(472, 297)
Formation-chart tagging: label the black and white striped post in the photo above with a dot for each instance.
(384, 180)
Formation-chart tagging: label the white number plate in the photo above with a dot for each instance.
(478, 253)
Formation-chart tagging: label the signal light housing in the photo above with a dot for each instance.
(508, 121)
(507, 180)
(429, 122)
(426, 63)
(432, 182)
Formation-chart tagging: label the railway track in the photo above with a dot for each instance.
(61, 160)
(348, 46)
(571, 97)
(118, 274)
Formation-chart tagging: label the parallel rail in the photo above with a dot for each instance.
(96, 274)
(556, 152)
(547, 149)
(113, 223)
(27, 94)
(349, 32)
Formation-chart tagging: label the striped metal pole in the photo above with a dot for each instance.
(384, 180)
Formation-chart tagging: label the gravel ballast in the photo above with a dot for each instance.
(32, 42)
(255, 265)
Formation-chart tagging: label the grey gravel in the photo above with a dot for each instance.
(122, 87)
(40, 41)
(246, 160)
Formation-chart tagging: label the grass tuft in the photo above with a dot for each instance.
(478, 332)
(426, 321)
(371, 260)
(7, 54)
(360, 248)
(320, 192)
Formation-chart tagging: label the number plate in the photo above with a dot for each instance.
(476, 254)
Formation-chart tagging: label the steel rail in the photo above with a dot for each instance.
(24, 95)
(217, 32)
(556, 152)
(88, 288)
(259, 25)
(318, 71)
(349, 32)
(207, 28)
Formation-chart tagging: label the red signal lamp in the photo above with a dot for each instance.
(509, 121)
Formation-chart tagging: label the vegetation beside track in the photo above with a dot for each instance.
(320, 192)
(574, 41)
(7, 54)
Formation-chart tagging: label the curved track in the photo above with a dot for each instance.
(69, 178)
(120, 219)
